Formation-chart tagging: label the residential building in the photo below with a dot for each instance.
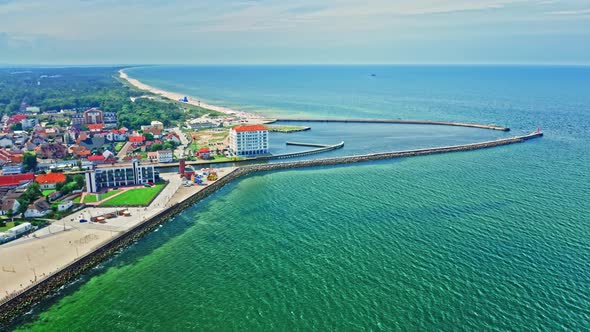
(152, 156)
(39, 208)
(120, 175)
(51, 151)
(165, 156)
(157, 124)
(95, 116)
(29, 123)
(10, 156)
(64, 205)
(15, 180)
(6, 141)
(32, 109)
(137, 139)
(248, 140)
(204, 153)
(9, 169)
(201, 123)
(50, 180)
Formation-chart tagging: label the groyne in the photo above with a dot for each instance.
(324, 148)
(20, 303)
(307, 144)
(419, 122)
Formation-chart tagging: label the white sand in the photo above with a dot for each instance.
(30, 258)
(252, 118)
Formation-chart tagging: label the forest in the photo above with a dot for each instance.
(85, 87)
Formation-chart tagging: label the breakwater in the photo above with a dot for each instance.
(420, 122)
(20, 303)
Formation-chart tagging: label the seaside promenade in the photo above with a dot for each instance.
(29, 259)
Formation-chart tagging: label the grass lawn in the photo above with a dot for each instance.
(47, 192)
(9, 225)
(77, 199)
(135, 197)
(109, 194)
(119, 146)
(90, 198)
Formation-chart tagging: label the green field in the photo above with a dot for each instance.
(47, 192)
(8, 226)
(134, 197)
(90, 198)
(286, 129)
(109, 194)
(119, 146)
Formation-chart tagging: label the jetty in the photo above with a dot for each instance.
(399, 121)
(21, 302)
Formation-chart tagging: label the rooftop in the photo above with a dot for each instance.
(240, 129)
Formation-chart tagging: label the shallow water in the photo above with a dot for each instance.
(494, 239)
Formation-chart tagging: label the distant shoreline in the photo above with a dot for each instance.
(191, 100)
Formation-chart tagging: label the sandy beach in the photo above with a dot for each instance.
(195, 101)
(31, 258)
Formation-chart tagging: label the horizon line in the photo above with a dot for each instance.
(130, 65)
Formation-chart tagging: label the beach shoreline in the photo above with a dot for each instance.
(194, 101)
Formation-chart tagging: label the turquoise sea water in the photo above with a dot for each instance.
(495, 239)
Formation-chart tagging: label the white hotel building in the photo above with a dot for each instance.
(248, 140)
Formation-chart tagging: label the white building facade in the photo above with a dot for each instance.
(124, 175)
(248, 140)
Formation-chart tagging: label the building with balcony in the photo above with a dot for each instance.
(248, 140)
(120, 175)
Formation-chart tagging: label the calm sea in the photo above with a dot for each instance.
(496, 239)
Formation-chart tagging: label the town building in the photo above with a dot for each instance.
(15, 180)
(165, 156)
(6, 141)
(50, 180)
(9, 169)
(29, 123)
(204, 153)
(248, 140)
(120, 175)
(157, 124)
(95, 116)
(39, 208)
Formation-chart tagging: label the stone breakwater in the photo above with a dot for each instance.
(20, 303)
(420, 122)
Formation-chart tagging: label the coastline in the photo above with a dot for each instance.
(194, 101)
(19, 303)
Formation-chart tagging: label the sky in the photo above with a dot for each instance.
(294, 32)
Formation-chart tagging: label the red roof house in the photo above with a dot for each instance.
(16, 179)
(240, 129)
(96, 159)
(137, 139)
(49, 180)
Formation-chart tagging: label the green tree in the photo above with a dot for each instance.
(80, 181)
(29, 161)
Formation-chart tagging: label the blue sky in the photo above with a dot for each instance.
(307, 31)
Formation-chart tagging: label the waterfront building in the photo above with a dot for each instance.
(248, 140)
(119, 175)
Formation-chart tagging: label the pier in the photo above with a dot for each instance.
(418, 122)
(19, 303)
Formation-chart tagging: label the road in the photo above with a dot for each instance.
(184, 142)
